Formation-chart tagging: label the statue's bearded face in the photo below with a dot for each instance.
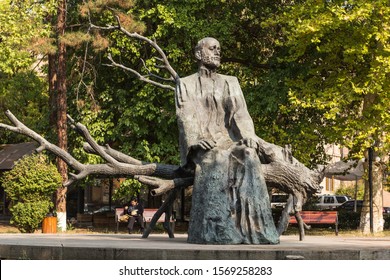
(211, 53)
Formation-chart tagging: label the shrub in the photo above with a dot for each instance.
(349, 220)
(386, 217)
(28, 215)
(30, 185)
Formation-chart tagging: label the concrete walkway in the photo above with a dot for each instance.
(160, 247)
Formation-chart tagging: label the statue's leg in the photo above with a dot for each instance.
(255, 217)
(211, 221)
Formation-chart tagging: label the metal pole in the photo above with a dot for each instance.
(370, 160)
(355, 196)
(182, 206)
(4, 202)
(111, 180)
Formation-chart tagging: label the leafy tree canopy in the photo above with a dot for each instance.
(23, 43)
(340, 53)
(23, 33)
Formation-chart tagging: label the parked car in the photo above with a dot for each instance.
(88, 208)
(279, 200)
(350, 204)
(328, 202)
(105, 209)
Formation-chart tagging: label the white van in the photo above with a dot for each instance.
(328, 202)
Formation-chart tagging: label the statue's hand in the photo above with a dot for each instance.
(250, 143)
(204, 145)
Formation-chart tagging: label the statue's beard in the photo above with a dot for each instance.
(212, 60)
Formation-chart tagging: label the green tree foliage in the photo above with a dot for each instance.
(128, 189)
(307, 69)
(23, 42)
(340, 89)
(25, 93)
(30, 185)
(350, 191)
(340, 53)
(22, 31)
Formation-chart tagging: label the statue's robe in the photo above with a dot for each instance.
(230, 203)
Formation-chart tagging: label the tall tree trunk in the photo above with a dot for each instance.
(377, 179)
(377, 198)
(52, 72)
(61, 107)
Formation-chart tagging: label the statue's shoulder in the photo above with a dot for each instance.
(229, 79)
(233, 84)
(189, 79)
(194, 78)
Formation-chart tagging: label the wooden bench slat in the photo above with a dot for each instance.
(318, 217)
(149, 213)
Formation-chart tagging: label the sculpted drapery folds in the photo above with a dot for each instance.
(217, 139)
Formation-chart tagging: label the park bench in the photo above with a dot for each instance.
(148, 215)
(318, 218)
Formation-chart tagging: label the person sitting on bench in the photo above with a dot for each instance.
(135, 211)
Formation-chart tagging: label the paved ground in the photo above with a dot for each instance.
(160, 247)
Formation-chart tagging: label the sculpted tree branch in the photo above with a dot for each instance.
(117, 163)
(174, 77)
(138, 75)
(285, 173)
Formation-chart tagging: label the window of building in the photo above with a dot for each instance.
(330, 184)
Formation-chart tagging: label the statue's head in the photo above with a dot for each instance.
(208, 53)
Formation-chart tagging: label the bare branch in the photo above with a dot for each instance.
(119, 156)
(163, 186)
(174, 77)
(108, 28)
(166, 171)
(154, 75)
(166, 208)
(81, 129)
(138, 75)
(20, 128)
(135, 35)
(112, 168)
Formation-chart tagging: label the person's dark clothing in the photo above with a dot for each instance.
(136, 214)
